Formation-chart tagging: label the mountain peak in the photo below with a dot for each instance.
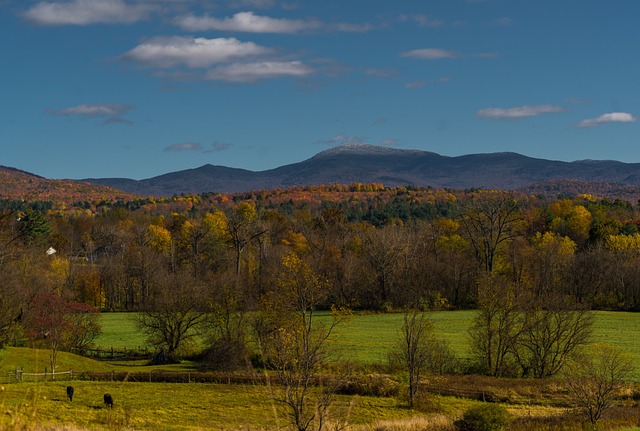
(364, 149)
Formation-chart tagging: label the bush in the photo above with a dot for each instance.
(224, 355)
(374, 385)
(486, 417)
(163, 358)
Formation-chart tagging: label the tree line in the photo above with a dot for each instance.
(378, 249)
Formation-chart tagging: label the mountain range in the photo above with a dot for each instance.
(361, 163)
(349, 164)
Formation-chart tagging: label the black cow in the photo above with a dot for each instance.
(108, 400)
(70, 393)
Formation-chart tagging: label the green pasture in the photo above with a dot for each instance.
(119, 331)
(367, 338)
(364, 338)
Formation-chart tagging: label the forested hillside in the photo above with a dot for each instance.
(17, 185)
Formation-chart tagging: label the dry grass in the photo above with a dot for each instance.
(419, 423)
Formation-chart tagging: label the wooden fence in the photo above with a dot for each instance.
(20, 376)
(114, 354)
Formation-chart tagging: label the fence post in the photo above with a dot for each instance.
(70, 374)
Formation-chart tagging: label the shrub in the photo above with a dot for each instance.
(374, 385)
(486, 417)
(224, 355)
(163, 358)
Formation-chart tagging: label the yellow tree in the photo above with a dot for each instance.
(159, 239)
(570, 220)
(243, 227)
(550, 261)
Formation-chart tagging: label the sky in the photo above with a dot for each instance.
(139, 88)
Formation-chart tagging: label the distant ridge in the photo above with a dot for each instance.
(361, 163)
(349, 164)
(16, 184)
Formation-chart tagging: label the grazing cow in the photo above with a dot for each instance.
(108, 400)
(70, 393)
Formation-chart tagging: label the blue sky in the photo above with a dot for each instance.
(138, 88)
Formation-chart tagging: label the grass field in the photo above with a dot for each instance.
(367, 338)
(179, 407)
(364, 338)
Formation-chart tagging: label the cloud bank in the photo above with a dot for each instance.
(85, 12)
(247, 22)
(429, 54)
(223, 59)
(252, 72)
(197, 52)
(613, 117)
(112, 113)
(517, 113)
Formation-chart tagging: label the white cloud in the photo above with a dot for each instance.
(95, 110)
(186, 146)
(192, 52)
(112, 113)
(249, 22)
(516, 113)
(245, 22)
(85, 12)
(613, 117)
(439, 54)
(429, 54)
(253, 72)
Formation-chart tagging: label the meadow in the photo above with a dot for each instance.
(170, 406)
(364, 338)
(368, 338)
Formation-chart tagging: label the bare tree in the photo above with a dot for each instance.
(227, 326)
(496, 330)
(489, 220)
(552, 334)
(294, 344)
(383, 250)
(175, 314)
(414, 346)
(596, 381)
